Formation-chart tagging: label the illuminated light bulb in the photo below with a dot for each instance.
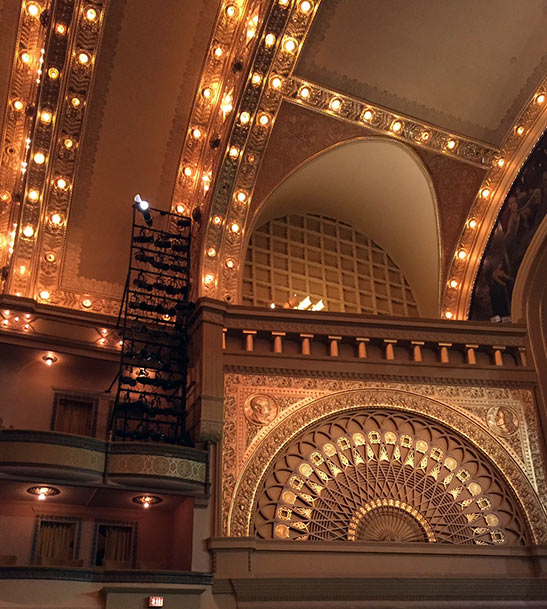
(207, 92)
(453, 283)
(50, 257)
(485, 193)
(276, 82)
(17, 104)
(180, 209)
(235, 227)
(208, 278)
(60, 28)
(335, 104)
(91, 14)
(290, 45)
(462, 254)
(520, 130)
(44, 295)
(269, 40)
(83, 58)
(5, 322)
(451, 144)
(68, 142)
(256, 78)
(368, 115)
(53, 73)
(41, 495)
(27, 316)
(211, 252)
(86, 303)
(28, 231)
(241, 196)
(218, 52)
(272, 305)
(26, 327)
(540, 99)
(304, 92)
(196, 133)
(217, 220)
(226, 105)
(7, 312)
(146, 505)
(264, 119)
(230, 263)
(425, 136)
(120, 343)
(396, 126)
(501, 162)
(75, 101)
(22, 271)
(104, 331)
(101, 341)
(472, 224)
(32, 9)
(5, 196)
(244, 118)
(33, 194)
(188, 171)
(251, 158)
(206, 179)
(56, 219)
(25, 57)
(283, 2)
(306, 6)
(231, 11)
(234, 152)
(448, 315)
(46, 116)
(39, 158)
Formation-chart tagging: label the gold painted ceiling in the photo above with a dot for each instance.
(191, 104)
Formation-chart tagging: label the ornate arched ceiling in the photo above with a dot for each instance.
(383, 190)
(159, 111)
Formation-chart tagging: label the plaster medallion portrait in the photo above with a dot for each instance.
(502, 421)
(260, 409)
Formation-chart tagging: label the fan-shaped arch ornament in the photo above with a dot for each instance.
(376, 466)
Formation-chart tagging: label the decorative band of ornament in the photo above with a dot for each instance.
(374, 506)
(47, 455)
(151, 465)
(405, 128)
(468, 254)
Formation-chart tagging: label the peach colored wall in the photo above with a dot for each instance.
(27, 385)
(164, 537)
(182, 535)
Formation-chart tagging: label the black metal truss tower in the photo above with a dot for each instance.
(151, 396)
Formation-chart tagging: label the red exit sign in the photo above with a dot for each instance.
(155, 601)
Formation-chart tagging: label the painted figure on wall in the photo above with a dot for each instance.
(521, 214)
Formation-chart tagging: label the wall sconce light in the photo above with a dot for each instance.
(42, 492)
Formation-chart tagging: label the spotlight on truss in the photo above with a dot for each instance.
(144, 207)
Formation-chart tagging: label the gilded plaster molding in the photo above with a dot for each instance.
(305, 400)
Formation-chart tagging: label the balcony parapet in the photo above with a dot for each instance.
(358, 339)
(50, 456)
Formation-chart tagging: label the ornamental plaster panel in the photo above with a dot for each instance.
(512, 443)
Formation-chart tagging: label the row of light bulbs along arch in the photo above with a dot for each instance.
(46, 116)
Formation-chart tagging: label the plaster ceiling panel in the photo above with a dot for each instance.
(9, 19)
(466, 66)
(146, 75)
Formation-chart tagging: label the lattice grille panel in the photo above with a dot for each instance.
(323, 258)
(386, 476)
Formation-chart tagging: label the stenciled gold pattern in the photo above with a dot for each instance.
(157, 465)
